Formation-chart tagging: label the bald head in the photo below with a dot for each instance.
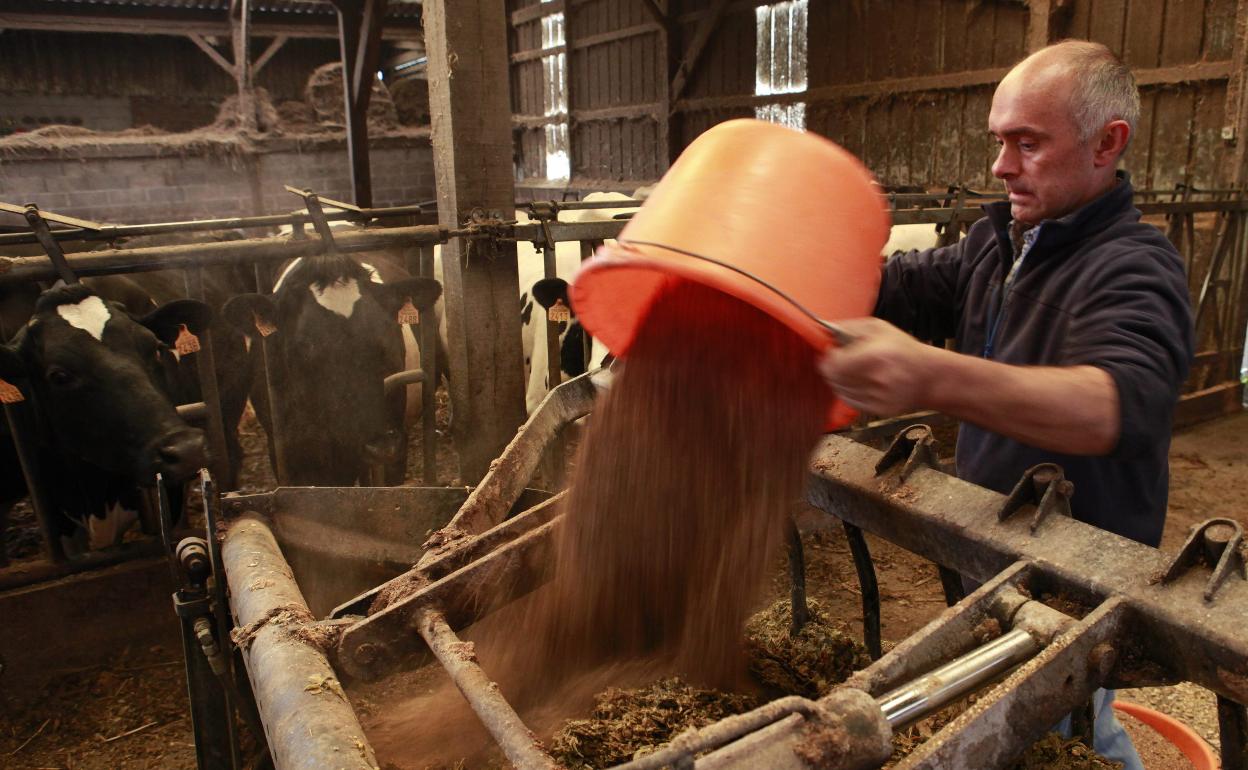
(1086, 76)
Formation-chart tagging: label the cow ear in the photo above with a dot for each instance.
(166, 321)
(12, 367)
(549, 290)
(422, 292)
(251, 314)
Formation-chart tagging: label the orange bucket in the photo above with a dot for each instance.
(784, 220)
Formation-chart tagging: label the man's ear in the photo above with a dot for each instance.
(422, 292)
(251, 314)
(167, 320)
(1111, 143)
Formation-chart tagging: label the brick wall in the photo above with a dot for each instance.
(147, 180)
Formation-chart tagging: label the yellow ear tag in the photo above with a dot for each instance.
(559, 312)
(408, 314)
(186, 342)
(264, 327)
(10, 394)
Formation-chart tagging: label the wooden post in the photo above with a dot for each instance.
(1038, 24)
(240, 32)
(471, 114)
(359, 32)
(1235, 122)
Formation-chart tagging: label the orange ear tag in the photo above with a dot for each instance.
(559, 312)
(408, 314)
(186, 342)
(10, 394)
(264, 327)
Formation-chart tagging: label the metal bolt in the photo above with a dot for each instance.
(366, 654)
(1101, 661)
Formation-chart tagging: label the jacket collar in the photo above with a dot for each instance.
(1075, 226)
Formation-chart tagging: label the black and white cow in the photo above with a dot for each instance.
(534, 303)
(332, 336)
(104, 419)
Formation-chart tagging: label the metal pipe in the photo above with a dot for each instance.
(429, 343)
(870, 589)
(913, 701)
(459, 660)
(307, 719)
(112, 233)
(401, 379)
(196, 411)
(112, 261)
(20, 419)
(209, 390)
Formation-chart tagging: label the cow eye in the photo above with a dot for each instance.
(61, 378)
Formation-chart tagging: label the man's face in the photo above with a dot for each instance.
(1047, 171)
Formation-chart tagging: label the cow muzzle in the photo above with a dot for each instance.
(178, 455)
(383, 448)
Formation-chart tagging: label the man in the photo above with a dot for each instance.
(1071, 318)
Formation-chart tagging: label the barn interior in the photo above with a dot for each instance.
(195, 149)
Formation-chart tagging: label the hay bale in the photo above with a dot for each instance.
(809, 664)
(298, 118)
(629, 723)
(324, 93)
(267, 119)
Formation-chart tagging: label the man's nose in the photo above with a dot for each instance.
(1006, 163)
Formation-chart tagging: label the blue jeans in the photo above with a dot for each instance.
(1109, 739)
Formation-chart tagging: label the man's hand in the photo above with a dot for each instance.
(882, 370)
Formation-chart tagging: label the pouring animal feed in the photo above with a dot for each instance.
(694, 457)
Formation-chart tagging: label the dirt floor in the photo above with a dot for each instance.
(129, 711)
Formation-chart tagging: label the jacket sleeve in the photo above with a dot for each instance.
(1135, 322)
(920, 291)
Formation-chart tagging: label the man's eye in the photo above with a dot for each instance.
(1026, 146)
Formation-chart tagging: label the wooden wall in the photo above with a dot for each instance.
(904, 84)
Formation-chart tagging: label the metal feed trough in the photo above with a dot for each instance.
(1127, 615)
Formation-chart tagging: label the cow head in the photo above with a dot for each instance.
(97, 377)
(575, 341)
(333, 336)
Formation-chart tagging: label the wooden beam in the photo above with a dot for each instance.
(470, 105)
(1235, 116)
(240, 33)
(275, 45)
(1222, 399)
(368, 52)
(657, 9)
(213, 53)
(106, 22)
(536, 11)
(1038, 24)
(625, 112)
(670, 121)
(692, 56)
(1159, 76)
(588, 41)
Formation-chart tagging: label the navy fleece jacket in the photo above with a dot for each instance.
(1098, 288)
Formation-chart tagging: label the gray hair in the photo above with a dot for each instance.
(1104, 89)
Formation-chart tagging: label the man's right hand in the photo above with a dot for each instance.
(883, 371)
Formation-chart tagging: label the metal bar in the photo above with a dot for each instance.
(20, 419)
(510, 473)
(951, 583)
(799, 609)
(954, 523)
(308, 720)
(429, 348)
(459, 660)
(959, 677)
(870, 589)
(206, 366)
(115, 232)
(554, 456)
(402, 379)
(368, 649)
(1233, 734)
(114, 261)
